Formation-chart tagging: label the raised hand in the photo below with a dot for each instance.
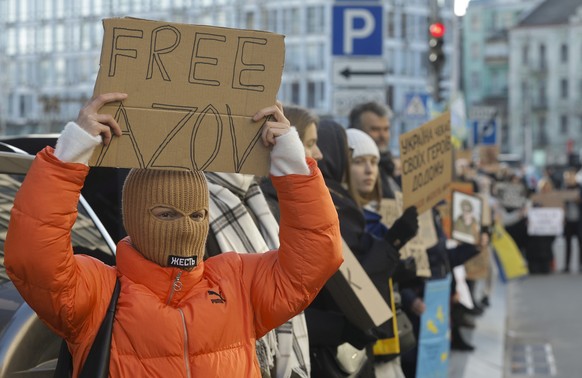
(100, 124)
(277, 124)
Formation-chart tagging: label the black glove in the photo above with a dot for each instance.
(405, 271)
(358, 338)
(404, 228)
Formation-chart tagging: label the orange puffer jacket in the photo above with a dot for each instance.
(208, 327)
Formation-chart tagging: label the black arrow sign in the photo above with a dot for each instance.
(348, 72)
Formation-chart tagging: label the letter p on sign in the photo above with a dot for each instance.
(357, 30)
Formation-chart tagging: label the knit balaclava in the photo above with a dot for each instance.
(179, 242)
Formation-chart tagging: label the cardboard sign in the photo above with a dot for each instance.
(479, 267)
(486, 216)
(463, 154)
(192, 91)
(427, 157)
(390, 210)
(356, 295)
(545, 221)
(556, 198)
(415, 246)
(488, 156)
(511, 195)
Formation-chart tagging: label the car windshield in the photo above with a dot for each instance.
(85, 237)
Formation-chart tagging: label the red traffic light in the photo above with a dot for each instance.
(437, 29)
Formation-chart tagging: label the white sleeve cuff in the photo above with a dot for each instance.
(288, 155)
(75, 145)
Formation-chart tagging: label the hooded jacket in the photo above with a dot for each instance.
(168, 322)
(328, 326)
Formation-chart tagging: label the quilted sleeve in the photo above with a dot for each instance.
(67, 292)
(283, 283)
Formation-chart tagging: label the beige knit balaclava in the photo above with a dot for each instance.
(179, 242)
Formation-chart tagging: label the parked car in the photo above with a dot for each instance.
(102, 188)
(27, 347)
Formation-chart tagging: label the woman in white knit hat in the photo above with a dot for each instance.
(364, 180)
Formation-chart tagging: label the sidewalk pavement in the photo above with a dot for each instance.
(488, 337)
(530, 320)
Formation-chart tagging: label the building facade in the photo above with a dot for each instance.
(486, 28)
(49, 52)
(546, 82)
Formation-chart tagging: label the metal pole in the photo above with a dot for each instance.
(456, 55)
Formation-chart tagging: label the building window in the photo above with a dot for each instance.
(271, 20)
(542, 136)
(100, 6)
(23, 11)
(314, 56)
(59, 71)
(476, 22)
(564, 88)
(542, 56)
(525, 54)
(563, 124)
(495, 85)
(12, 44)
(250, 20)
(564, 53)
(524, 92)
(291, 21)
(403, 26)
(390, 24)
(475, 80)
(60, 8)
(292, 58)
(542, 94)
(474, 50)
(311, 94)
(390, 96)
(315, 20)
(295, 93)
(60, 38)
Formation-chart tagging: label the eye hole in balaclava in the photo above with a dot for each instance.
(179, 241)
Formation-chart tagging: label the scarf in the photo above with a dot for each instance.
(241, 221)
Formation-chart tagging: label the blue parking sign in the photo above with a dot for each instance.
(485, 132)
(357, 30)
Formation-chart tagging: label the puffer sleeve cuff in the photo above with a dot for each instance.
(288, 155)
(75, 145)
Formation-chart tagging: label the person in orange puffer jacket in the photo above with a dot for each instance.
(176, 315)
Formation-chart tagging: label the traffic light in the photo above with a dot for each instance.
(436, 55)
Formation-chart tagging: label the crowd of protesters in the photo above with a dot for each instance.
(238, 212)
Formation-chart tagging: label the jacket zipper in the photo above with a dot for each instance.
(185, 343)
(176, 286)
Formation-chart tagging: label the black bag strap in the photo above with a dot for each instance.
(97, 362)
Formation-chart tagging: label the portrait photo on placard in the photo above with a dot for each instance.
(466, 215)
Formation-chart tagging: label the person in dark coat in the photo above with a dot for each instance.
(442, 261)
(328, 326)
